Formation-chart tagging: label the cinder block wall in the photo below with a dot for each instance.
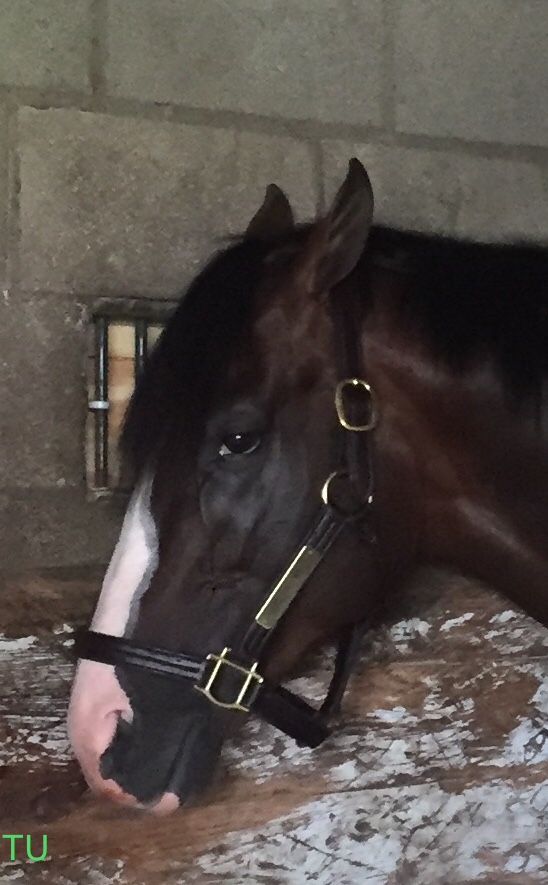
(135, 132)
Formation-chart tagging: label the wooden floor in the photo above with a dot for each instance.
(438, 773)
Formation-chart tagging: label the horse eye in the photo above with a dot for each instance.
(239, 444)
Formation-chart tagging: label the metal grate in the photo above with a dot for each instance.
(123, 333)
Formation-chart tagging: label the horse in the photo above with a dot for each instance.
(332, 405)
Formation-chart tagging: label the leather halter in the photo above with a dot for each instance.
(231, 678)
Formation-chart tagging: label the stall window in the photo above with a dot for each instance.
(122, 335)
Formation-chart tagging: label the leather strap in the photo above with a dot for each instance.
(326, 528)
(118, 651)
(291, 715)
(277, 705)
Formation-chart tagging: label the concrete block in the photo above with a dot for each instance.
(127, 206)
(45, 43)
(504, 198)
(453, 193)
(56, 527)
(475, 69)
(319, 60)
(43, 402)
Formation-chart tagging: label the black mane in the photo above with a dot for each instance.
(476, 299)
(467, 299)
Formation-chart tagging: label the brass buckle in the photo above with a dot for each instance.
(340, 407)
(223, 661)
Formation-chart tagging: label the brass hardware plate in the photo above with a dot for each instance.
(287, 587)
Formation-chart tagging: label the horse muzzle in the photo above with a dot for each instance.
(161, 759)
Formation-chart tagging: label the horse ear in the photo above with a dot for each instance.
(274, 218)
(338, 240)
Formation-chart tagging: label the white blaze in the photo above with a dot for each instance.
(131, 567)
(97, 698)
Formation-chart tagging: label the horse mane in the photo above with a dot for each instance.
(472, 300)
(466, 299)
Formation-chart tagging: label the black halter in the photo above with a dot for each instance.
(231, 679)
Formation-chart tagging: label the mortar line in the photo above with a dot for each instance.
(388, 67)
(13, 207)
(98, 50)
(298, 129)
(318, 177)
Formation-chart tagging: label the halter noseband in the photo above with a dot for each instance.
(231, 679)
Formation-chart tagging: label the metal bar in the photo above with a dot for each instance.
(141, 345)
(101, 396)
(287, 587)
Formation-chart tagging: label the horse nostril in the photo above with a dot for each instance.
(123, 728)
(108, 761)
(106, 765)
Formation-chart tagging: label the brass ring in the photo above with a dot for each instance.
(327, 483)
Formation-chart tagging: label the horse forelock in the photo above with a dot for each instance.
(206, 346)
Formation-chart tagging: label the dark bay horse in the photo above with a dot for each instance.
(332, 405)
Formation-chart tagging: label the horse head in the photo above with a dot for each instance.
(251, 535)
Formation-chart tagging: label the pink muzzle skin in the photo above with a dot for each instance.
(97, 702)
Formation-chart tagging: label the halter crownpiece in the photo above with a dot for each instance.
(231, 678)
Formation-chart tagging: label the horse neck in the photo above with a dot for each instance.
(478, 469)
